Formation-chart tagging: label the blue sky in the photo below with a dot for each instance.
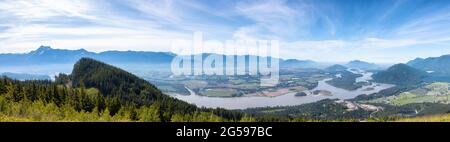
(382, 31)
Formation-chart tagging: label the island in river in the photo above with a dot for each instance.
(286, 96)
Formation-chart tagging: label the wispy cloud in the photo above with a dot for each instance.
(162, 10)
(272, 19)
(307, 29)
(37, 9)
(370, 49)
(35, 24)
(427, 26)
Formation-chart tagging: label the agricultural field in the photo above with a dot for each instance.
(236, 86)
(437, 92)
(220, 92)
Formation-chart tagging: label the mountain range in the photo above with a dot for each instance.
(25, 76)
(336, 68)
(362, 65)
(44, 55)
(436, 66)
(48, 55)
(96, 91)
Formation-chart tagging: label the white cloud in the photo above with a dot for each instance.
(426, 26)
(320, 44)
(24, 39)
(110, 25)
(370, 49)
(161, 9)
(271, 19)
(384, 43)
(106, 29)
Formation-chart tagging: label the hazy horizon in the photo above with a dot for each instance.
(169, 52)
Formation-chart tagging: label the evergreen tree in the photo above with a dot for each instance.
(150, 114)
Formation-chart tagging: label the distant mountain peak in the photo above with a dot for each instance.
(437, 65)
(41, 50)
(82, 50)
(399, 66)
(359, 61)
(42, 47)
(361, 65)
(418, 58)
(400, 74)
(335, 68)
(297, 63)
(296, 60)
(48, 48)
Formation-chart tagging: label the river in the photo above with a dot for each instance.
(288, 99)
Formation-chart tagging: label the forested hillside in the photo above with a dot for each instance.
(96, 91)
(400, 74)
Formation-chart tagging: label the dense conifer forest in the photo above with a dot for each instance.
(96, 91)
